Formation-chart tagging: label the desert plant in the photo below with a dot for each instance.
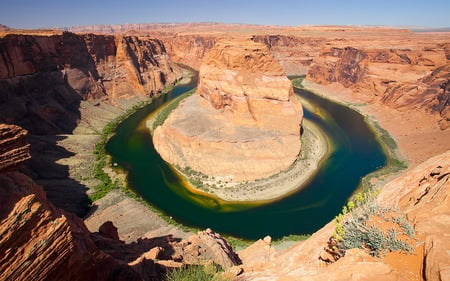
(354, 227)
(192, 273)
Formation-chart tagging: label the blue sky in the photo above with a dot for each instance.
(46, 13)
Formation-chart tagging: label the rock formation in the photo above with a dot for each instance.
(243, 123)
(403, 79)
(43, 79)
(14, 148)
(51, 84)
(41, 242)
(37, 240)
(67, 83)
(421, 193)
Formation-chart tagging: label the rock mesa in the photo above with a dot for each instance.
(244, 121)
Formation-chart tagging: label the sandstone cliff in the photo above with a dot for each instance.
(242, 124)
(63, 88)
(43, 79)
(400, 78)
(391, 66)
(14, 147)
(41, 242)
(38, 241)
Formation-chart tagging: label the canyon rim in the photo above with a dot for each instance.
(64, 87)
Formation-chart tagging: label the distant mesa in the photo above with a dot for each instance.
(244, 121)
(5, 28)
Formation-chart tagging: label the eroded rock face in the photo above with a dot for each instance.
(403, 79)
(37, 240)
(206, 246)
(423, 194)
(43, 79)
(243, 123)
(14, 148)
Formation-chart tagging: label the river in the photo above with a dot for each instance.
(356, 152)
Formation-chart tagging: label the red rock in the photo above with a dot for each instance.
(45, 77)
(41, 242)
(208, 246)
(14, 148)
(243, 124)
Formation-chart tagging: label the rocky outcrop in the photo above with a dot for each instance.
(189, 49)
(243, 123)
(74, 84)
(37, 240)
(400, 78)
(41, 242)
(43, 79)
(14, 148)
(294, 53)
(421, 193)
(44, 243)
(208, 246)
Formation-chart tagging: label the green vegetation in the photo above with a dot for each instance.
(106, 184)
(194, 273)
(164, 113)
(394, 161)
(297, 82)
(360, 225)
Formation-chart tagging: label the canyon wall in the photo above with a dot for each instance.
(41, 242)
(421, 194)
(43, 79)
(400, 78)
(64, 88)
(38, 241)
(398, 68)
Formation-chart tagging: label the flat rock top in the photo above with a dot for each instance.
(241, 54)
(195, 117)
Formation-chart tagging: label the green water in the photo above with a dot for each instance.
(356, 153)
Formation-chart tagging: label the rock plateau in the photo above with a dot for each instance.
(244, 121)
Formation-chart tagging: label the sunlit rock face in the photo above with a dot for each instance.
(244, 121)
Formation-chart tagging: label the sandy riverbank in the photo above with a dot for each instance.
(416, 132)
(315, 147)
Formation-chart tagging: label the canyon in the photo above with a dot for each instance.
(63, 88)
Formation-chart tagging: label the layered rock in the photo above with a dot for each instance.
(64, 88)
(403, 79)
(43, 79)
(37, 240)
(14, 148)
(207, 246)
(243, 123)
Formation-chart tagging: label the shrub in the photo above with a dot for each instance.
(192, 273)
(358, 226)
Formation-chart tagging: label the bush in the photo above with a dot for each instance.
(192, 273)
(358, 226)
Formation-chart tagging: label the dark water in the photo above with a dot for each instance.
(356, 153)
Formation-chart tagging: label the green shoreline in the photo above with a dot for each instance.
(316, 147)
(395, 161)
(108, 131)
